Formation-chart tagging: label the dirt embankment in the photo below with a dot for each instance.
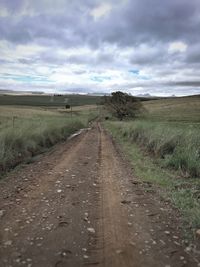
(80, 205)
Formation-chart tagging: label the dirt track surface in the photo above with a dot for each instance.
(80, 205)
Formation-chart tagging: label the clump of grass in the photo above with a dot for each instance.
(176, 145)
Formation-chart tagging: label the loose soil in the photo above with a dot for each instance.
(80, 205)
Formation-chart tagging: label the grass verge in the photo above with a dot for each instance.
(30, 133)
(29, 139)
(183, 192)
(174, 145)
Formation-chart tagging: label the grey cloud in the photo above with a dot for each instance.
(12, 6)
(186, 84)
(4, 61)
(104, 57)
(99, 58)
(138, 21)
(158, 84)
(79, 72)
(155, 55)
(150, 21)
(26, 61)
(147, 56)
(193, 54)
(165, 72)
(13, 31)
(51, 56)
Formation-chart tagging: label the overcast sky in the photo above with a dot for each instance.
(85, 46)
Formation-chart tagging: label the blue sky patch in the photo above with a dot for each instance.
(100, 79)
(135, 72)
(23, 78)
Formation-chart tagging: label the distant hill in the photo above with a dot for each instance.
(184, 109)
(12, 92)
(48, 100)
(144, 95)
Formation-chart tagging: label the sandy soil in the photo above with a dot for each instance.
(80, 205)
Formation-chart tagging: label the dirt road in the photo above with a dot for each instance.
(80, 205)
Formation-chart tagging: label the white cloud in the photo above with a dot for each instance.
(177, 47)
(101, 10)
(12, 52)
(3, 12)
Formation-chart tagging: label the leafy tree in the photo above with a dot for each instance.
(122, 105)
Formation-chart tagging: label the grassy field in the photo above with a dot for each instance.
(185, 109)
(164, 147)
(27, 131)
(49, 100)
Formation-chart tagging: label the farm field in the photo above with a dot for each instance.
(183, 109)
(49, 100)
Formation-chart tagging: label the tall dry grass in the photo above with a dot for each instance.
(176, 145)
(26, 132)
